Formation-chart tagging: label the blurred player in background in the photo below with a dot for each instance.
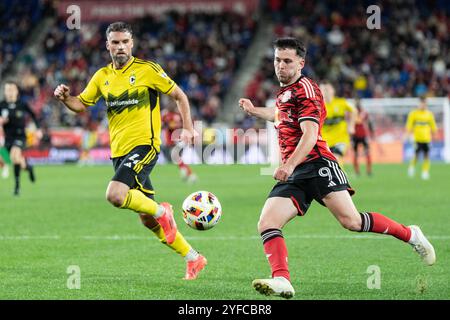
(339, 124)
(88, 141)
(363, 130)
(309, 171)
(131, 89)
(172, 122)
(13, 117)
(421, 125)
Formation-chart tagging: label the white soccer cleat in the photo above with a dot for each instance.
(278, 286)
(422, 246)
(425, 175)
(411, 171)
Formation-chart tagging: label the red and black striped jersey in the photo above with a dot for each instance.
(300, 101)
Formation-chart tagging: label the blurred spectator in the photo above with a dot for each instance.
(408, 56)
(17, 21)
(199, 51)
(209, 110)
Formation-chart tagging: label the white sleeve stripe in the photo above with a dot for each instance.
(306, 90)
(308, 93)
(308, 85)
(311, 86)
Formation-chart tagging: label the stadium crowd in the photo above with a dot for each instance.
(17, 21)
(199, 51)
(408, 56)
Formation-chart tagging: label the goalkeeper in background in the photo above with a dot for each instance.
(421, 125)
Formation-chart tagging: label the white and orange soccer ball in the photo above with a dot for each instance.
(201, 210)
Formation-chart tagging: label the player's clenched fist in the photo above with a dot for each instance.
(283, 172)
(62, 92)
(187, 136)
(246, 105)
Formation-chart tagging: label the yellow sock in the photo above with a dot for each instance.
(138, 202)
(426, 165)
(180, 245)
(413, 162)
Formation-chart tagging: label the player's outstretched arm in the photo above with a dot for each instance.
(263, 113)
(62, 93)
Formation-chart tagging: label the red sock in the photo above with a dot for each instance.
(356, 164)
(276, 252)
(184, 166)
(376, 222)
(369, 164)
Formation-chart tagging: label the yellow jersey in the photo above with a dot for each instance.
(334, 130)
(422, 124)
(131, 95)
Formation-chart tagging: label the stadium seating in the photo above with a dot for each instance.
(17, 21)
(199, 51)
(407, 56)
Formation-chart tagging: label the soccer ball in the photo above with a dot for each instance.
(201, 210)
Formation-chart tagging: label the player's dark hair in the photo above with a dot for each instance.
(291, 43)
(119, 27)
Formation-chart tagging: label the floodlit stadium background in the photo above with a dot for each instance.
(219, 51)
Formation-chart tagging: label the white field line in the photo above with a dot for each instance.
(199, 238)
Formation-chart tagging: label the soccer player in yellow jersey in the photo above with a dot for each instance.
(131, 88)
(422, 125)
(336, 131)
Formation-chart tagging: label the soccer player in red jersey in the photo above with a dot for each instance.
(172, 122)
(363, 129)
(309, 171)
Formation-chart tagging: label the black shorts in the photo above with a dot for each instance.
(312, 181)
(134, 168)
(19, 142)
(357, 141)
(422, 147)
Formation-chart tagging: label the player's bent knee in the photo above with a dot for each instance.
(265, 224)
(115, 198)
(350, 223)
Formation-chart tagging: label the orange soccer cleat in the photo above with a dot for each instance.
(168, 223)
(193, 268)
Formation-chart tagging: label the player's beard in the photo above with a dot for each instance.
(120, 59)
(285, 78)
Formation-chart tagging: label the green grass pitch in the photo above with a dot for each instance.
(64, 220)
